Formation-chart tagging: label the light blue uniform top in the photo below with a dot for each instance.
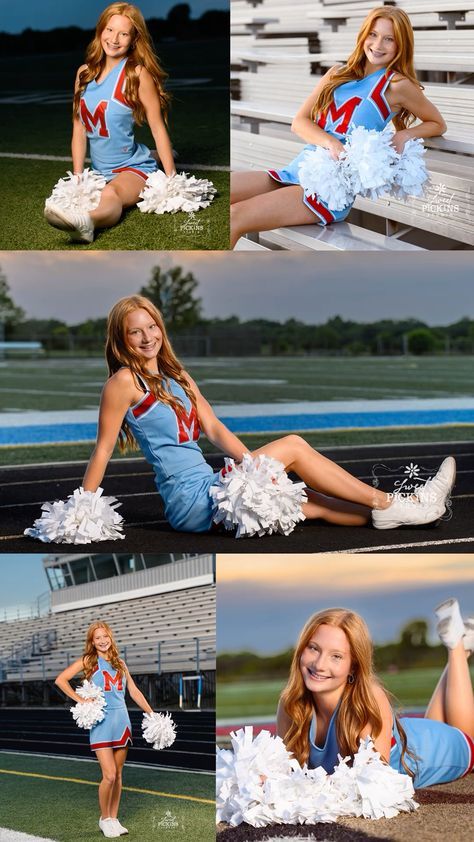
(108, 120)
(443, 753)
(169, 442)
(360, 102)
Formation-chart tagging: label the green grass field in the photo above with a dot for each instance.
(199, 133)
(411, 688)
(32, 800)
(45, 385)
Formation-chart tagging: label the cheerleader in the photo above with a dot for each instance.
(151, 402)
(377, 85)
(111, 737)
(333, 699)
(120, 84)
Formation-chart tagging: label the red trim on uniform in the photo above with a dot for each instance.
(393, 743)
(132, 169)
(115, 743)
(378, 98)
(325, 213)
(142, 407)
(274, 174)
(470, 744)
(118, 93)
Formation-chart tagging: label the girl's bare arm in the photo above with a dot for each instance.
(151, 103)
(64, 677)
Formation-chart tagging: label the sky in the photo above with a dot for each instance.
(264, 600)
(311, 287)
(47, 14)
(22, 579)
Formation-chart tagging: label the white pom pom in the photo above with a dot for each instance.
(320, 175)
(411, 177)
(78, 192)
(371, 158)
(178, 192)
(257, 497)
(257, 783)
(87, 714)
(84, 517)
(159, 729)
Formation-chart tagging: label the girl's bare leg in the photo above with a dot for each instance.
(270, 210)
(122, 192)
(340, 512)
(105, 756)
(244, 185)
(453, 698)
(120, 756)
(321, 474)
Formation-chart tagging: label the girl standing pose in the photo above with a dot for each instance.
(149, 400)
(120, 84)
(110, 738)
(332, 699)
(376, 85)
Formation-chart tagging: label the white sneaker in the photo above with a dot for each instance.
(440, 486)
(450, 627)
(468, 638)
(406, 512)
(78, 223)
(121, 829)
(108, 828)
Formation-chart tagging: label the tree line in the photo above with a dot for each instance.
(175, 293)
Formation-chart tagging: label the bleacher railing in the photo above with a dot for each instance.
(162, 656)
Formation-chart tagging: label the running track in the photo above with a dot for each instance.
(23, 489)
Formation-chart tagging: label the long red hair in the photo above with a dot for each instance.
(120, 354)
(354, 68)
(90, 658)
(141, 53)
(357, 709)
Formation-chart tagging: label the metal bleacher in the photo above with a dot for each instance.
(165, 632)
(277, 63)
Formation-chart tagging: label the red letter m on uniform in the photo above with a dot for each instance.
(115, 680)
(98, 117)
(188, 426)
(345, 112)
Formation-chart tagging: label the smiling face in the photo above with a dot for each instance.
(116, 37)
(326, 660)
(101, 641)
(380, 46)
(143, 335)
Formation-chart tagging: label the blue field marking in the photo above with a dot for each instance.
(71, 431)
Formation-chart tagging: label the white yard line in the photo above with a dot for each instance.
(383, 547)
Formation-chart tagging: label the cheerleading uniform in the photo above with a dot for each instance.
(442, 753)
(115, 731)
(169, 442)
(108, 119)
(360, 102)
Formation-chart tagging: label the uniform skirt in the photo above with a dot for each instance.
(115, 731)
(290, 175)
(188, 504)
(442, 753)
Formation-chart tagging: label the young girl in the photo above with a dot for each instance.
(376, 85)
(120, 84)
(151, 401)
(110, 738)
(332, 699)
